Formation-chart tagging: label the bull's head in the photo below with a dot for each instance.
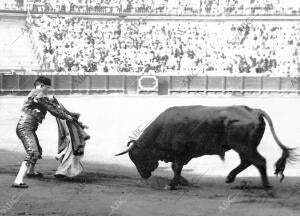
(143, 159)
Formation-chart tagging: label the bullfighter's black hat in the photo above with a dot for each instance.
(43, 80)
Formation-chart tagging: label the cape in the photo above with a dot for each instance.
(71, 144)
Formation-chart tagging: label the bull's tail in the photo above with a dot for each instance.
(288, 154)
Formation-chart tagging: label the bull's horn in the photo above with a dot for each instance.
(133, 143)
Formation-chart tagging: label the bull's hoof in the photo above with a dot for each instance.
(230, 179)
(169, 187)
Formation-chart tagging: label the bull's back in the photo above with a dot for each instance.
(208, 114)
(202, 124)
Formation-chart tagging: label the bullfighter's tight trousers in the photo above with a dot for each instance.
(25, 130)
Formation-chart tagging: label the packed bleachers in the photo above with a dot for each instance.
(73, 45)
(177, 7)
(173, 47)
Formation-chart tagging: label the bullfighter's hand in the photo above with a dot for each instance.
(70, 118)
(75, 115)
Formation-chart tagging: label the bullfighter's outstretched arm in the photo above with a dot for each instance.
(52, 107)
(73, 114)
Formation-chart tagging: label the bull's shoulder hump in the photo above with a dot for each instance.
(207, 112)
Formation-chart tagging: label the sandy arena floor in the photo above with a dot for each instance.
(111, 186)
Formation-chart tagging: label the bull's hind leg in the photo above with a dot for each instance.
(243, 165)
(260, 163)
(257, 159)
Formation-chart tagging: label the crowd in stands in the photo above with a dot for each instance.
(173, 47)
(196, 7)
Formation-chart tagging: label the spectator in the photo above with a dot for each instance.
(77, 45)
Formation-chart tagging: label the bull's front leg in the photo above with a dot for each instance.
(176, 167)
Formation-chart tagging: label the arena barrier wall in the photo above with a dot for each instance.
(128, 84)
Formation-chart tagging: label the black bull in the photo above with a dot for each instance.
(181, 133)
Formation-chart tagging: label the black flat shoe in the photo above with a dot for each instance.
(35, 175)
(21, 185)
